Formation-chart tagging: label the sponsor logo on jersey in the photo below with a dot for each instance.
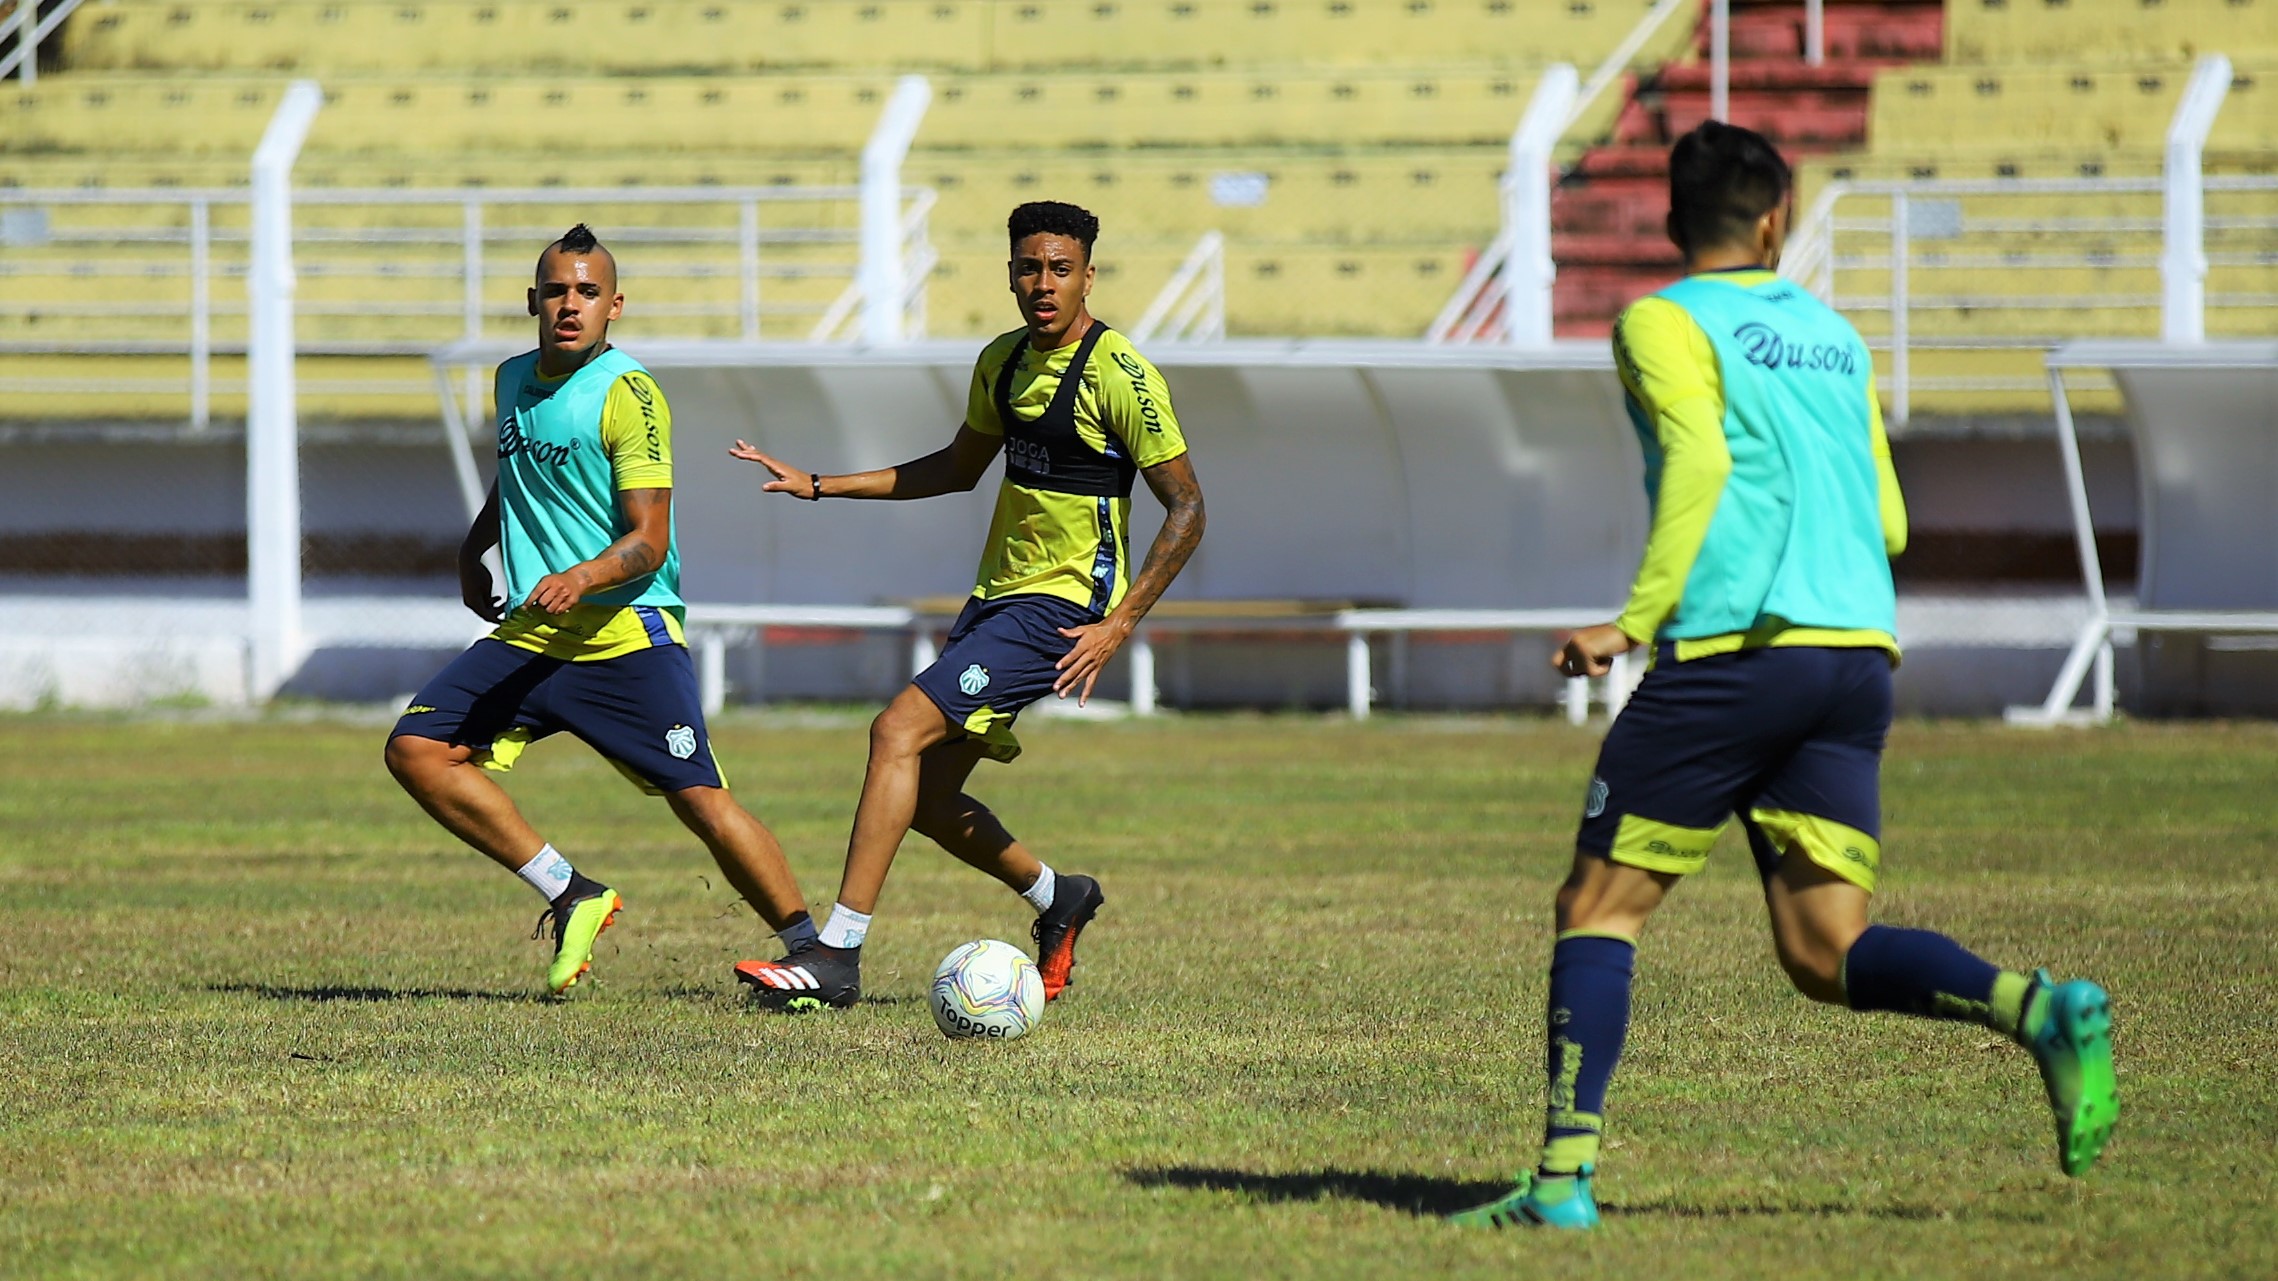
(512, 441)
(1137, 373)
(1766, 348)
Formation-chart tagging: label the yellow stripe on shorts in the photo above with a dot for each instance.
(1663, 847)
(1841, 849)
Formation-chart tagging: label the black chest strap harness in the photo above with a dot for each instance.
(1046, 452)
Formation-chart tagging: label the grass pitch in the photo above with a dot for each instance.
(259, 1017)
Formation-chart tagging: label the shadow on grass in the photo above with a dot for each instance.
(1429, 1197)
(320, 995)
(1414, 1193)
(742, 996)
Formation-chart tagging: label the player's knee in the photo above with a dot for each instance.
(897, 732)
(412, 759)
(1815, 966)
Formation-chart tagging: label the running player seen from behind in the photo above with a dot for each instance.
(1078, 413)
(589, 637)
(1765, 595)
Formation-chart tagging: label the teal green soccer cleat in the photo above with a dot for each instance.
(1537, 1202)
(576, 924)
(2073, 1045)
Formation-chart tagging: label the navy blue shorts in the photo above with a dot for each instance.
(1790, 740)
(1002, 655)
(640, 710)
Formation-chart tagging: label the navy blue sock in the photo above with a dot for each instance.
(1589, 1016)
(1929, 975)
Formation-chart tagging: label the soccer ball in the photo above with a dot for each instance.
(987, 989)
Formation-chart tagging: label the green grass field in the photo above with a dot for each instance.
(259, 1017)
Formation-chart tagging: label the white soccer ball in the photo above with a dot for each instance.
(987, 989)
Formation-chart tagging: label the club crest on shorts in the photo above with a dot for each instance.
(973, 679)
(1596, 805)
(680, 741)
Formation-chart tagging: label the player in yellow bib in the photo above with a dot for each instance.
(589, 634)
(1079, 414)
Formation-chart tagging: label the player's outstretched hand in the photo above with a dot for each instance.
(1591, 651)
(1087, 658)
(788, 479)
(477, 593)
(557, 594)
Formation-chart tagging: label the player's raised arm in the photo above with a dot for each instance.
(955, 468)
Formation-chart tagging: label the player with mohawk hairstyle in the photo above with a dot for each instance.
(1765, 597)
(1078, 414)
(589, 633)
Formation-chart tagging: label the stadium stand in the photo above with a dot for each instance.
(1349, 152)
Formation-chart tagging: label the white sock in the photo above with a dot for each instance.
(547, 872)
(1039, 895)
(845, 929)
(797, 936)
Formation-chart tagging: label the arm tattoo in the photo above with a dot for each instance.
(1183, 522)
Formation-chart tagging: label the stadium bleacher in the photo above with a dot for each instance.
(1349, 152)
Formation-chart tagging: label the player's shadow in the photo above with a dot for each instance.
(705, 995)
(1433, 1198)
(361, 995)
(1415, 1194)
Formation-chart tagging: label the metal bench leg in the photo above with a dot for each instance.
(712, 672)
(1142, 676)
(1356, 675)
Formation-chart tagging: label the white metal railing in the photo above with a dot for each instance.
(396, 271)
(1921, 253)
(1191, 305)
(846, 319)
(1506, 295)
(30, 22)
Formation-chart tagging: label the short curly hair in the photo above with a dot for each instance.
(1054, 218)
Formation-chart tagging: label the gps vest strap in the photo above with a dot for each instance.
(1047, 453)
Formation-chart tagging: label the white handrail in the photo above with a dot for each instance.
(1618, 61)
(2183, 265)
(1530, 271)
(1191, 305)
(24, 58)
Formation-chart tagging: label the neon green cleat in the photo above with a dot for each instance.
(576, 924)
(1537, 1202)
(2073, 1045)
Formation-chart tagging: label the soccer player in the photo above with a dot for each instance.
(589, 637)
(1765, 595)
(1078, 413)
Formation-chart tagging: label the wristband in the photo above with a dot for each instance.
(815, 481)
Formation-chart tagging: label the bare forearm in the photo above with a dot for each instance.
(926, 477)
(630, 557)
(1166, 556)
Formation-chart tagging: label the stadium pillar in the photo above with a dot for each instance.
(272, 429)
(2183, 258)
(1531, 270)
(881, 271)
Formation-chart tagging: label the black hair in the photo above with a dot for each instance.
(1051, 217)
(579, 240)
(1722, 178)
